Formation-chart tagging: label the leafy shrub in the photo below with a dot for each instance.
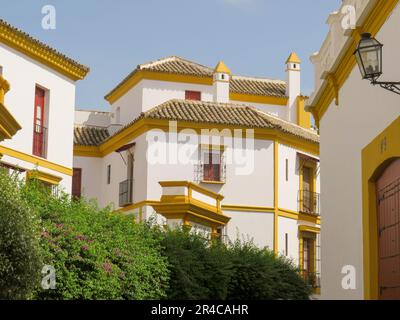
(97, 254)
(258, 274)
(20, 260)
(197, 270)
(239, 271)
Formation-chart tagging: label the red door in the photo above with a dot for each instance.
(38, 124)
(388, 198)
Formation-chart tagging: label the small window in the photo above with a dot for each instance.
(294, 66)
(286, 244)
(287, 170)
(193, 95)
(1, 70)
(77, 183)
(109, 174)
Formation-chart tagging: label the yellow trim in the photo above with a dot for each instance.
(303, 117)
(258, 99)
(276, 187)
(140, 75)
(293, 58)
(145, 125)
(309, 229)
(23, 43)
(139, 205)
(330, 90)
(191, 186)
(35, 160)
(222, 68)
(87, 151)
(43, 176)
(375, 158)
(212, 182)
(247, 208)
(8, 125)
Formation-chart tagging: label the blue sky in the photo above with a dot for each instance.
(253, 37)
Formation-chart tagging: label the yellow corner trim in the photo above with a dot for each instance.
(23, 43)
(35, 160)
(8, 125)
(303, 117)
(330, 90)
(192, 186)
(247, 208)
(43, 176)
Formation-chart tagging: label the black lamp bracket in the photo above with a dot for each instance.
(391, 86)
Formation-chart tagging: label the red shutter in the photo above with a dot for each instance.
(77, 183)
(193, 95)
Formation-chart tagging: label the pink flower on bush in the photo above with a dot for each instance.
(85, 248)
(107, 267)
(45, 234)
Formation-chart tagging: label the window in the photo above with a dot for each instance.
(118, 116)
(212, 165)
(77, 183)
(1, 70)
(109, 174)
(193, 95)
(39, 130)
(287, 170)
(286, 244)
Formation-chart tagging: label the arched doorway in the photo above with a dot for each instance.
(388, 223)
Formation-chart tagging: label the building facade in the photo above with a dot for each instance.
(37, 102)
(228, 155)
(359, 129)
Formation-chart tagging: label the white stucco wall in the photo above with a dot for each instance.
(23, 74)
(289, 227)
(364, 112)
(255, 226)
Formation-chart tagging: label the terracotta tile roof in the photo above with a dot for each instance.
(214, 113)
(90, 136)
(258, 86)
(239, 84)
(16, 38)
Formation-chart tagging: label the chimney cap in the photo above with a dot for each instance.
(293, 58)
(222, 68)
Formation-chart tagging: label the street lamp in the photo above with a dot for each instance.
(369, 60)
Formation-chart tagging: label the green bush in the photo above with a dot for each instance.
(20, 260)
(258, 274)
(239, 271)
(198, 271)
(97, 254)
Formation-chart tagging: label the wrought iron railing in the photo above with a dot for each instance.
(309, 202)
(39, 141)
(126, 193)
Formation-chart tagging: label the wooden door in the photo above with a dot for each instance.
(38, 124)
(77, 183)
(388, 198)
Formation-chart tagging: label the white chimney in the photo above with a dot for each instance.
(293, 85)
(222, 76)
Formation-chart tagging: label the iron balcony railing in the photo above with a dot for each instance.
(39, 141)
(309, 202)
(126, 193)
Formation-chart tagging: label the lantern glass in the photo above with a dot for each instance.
(369, 57)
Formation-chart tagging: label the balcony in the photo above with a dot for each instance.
(126, 193)
(40, 141)
(191, 204)
(309, 202)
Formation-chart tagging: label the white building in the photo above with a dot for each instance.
(359, 127)
(271, 196)
(37, 99)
